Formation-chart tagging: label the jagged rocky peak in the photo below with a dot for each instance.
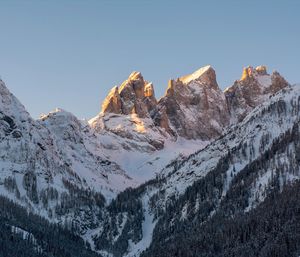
(250, 72)
(260, 78)
(133, 87)
(255, 85)
(194, 107)
(134, 96)
(205, 75)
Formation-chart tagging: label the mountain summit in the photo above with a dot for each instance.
(206, 75)
(254, 87)
(134, 96)
(194, 107)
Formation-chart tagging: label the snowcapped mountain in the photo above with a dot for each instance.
(249, 160)
(143, 134)
(146, 173)
(50, 166)
(80, 151)
(129, 134)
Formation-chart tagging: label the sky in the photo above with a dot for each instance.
(70, 53)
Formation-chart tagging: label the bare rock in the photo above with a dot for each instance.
(254, 87)
(194, 107)
(112, 102)
(134, 96)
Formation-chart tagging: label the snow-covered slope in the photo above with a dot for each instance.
(132, 143)
(52, 166)
(218, 167)
(80, 150)
(250, 139)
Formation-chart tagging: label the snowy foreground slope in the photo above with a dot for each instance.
(145, 174)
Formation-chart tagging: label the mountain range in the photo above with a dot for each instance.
(198, 172)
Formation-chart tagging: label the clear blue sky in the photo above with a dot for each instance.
(69, 54)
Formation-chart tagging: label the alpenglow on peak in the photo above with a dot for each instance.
(194, 106)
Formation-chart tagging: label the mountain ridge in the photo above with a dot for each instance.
(120, 178)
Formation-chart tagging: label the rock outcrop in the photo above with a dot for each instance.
(112, 103)
(134, 96)
(194, 105)
(127, 113)
(254, 87)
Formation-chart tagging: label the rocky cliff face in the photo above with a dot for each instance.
(194, 107)
(254, 87)
(134, 96)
